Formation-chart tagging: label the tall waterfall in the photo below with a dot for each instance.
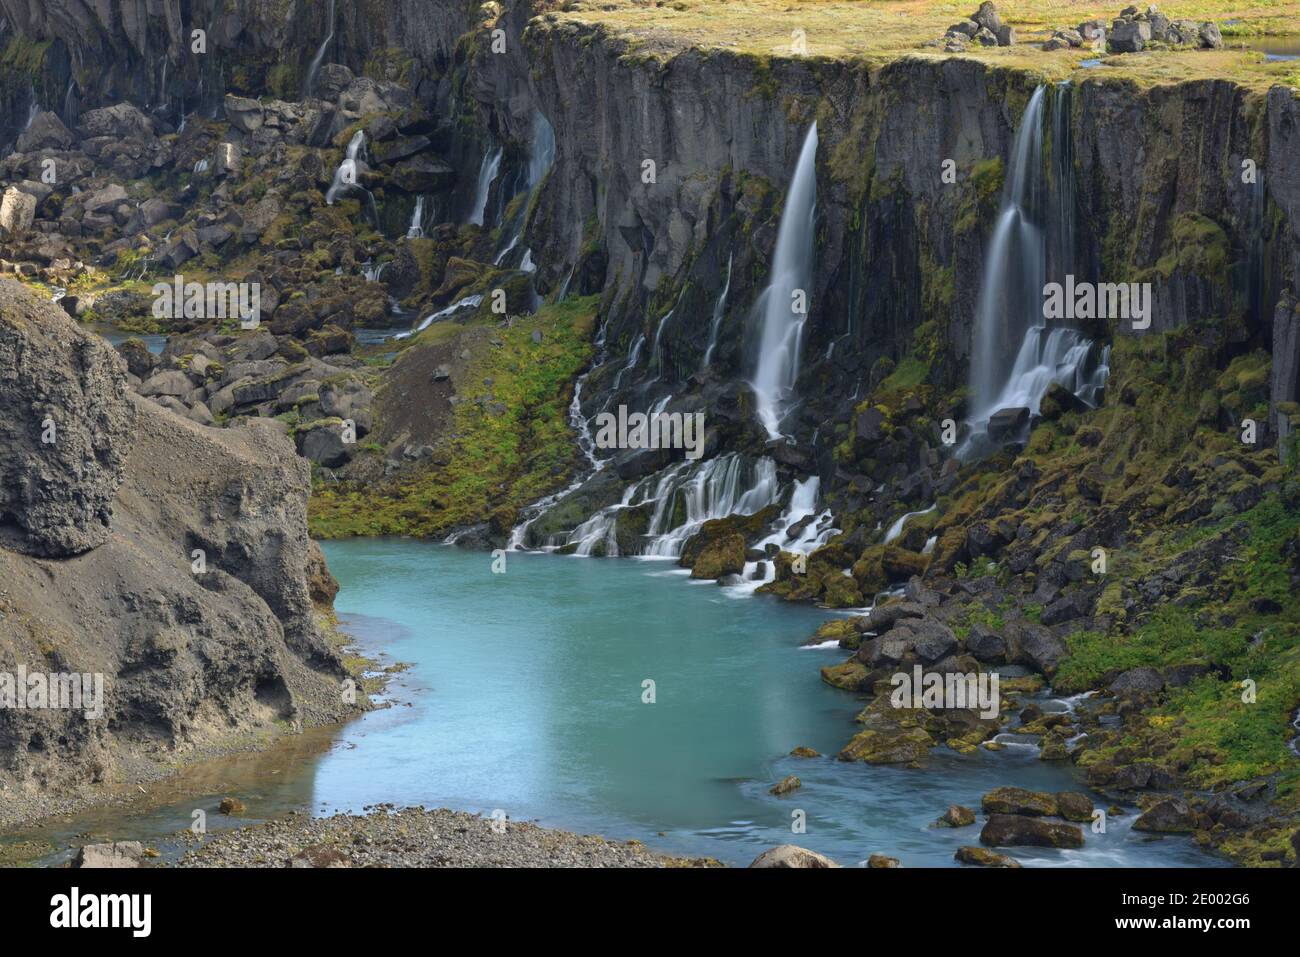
(1015, 267)
(310, 79)
(1015, 355)
(487, 174)
(782, 323)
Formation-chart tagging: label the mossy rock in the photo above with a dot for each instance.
(722, 556)
(852, 675)
(910, 746)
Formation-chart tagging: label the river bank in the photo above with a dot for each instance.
(419, 837)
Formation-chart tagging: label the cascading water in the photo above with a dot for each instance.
(1014, 268)
(1010, 306)
(416, 229)
(469, 302)
(782, 323)
(896, 529)
(719, 308)
(632, 356)
(683, 497)
(33, 110)
(487, 174)
(348, 175)
(309, 82)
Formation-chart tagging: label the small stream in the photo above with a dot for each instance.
(525, 694)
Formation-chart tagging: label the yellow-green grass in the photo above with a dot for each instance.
(878, 31)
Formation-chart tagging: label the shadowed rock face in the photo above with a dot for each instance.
(65, 429)
(115, 508)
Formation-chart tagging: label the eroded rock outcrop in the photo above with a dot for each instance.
(174, 565)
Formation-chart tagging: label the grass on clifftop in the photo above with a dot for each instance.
(509, 444)
(887, 30)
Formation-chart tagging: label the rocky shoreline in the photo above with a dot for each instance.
(418, 837)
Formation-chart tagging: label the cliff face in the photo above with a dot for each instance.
(897, 247)
(723, 132)
(187, 658)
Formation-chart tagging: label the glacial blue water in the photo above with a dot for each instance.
(525, 696)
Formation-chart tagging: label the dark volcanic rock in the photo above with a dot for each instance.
(1012, 830)
(66, 386)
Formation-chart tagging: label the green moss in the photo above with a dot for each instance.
(502, 453)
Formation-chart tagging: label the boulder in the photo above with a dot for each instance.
(723, 555)
(785, 785)
(987, 17)
(1074, 806)
(957, 816)
(244, 114)
(17, 211)
(121, 121)
(1128, 36)
(323, 443)
(1017, 830)
(140, 362)
(1012, 800)
(986, 645)
(119, 854)
(883, 861)
(1008, 424)
(1172, 815)
(983, 857)
(1138, 681)
(1211, 38)
(45, 132)
(791, 855)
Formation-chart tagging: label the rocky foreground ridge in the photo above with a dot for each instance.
(100, 528)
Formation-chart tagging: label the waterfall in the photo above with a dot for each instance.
(541, 153)
(1010, 299)
(487, 174)
(416, 229)
(527, 264)
(201, 166)
(310, 79)
(70, 103)
(372, 271)
(694, 492)
(719, 308)
(469, 302)
(896, 529)
(33, 110)
(633, 355)
(587, 443)
(564, 286)
(1062, 197)
(1009, 312)
(792, 261)
(347, 176)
